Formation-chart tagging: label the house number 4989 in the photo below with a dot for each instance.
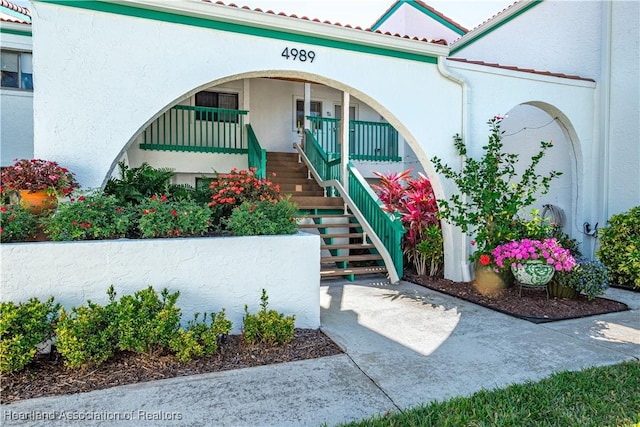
(301, 54)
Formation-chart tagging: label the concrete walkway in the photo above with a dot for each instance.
(405, 345)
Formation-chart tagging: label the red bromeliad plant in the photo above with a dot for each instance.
(415, 202)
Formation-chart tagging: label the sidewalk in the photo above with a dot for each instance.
(405, 345)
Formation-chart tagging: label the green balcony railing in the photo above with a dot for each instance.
(197, 129)
(325, 165)
(388, 228)
(367, 140)
(257, 154)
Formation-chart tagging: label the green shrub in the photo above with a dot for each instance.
(264, 218)
(429, 252)
(16, 224)
(619, 247)
(92, 216)
(162, 217)
(589, 278)
(200, 338)
(22, 328)
(146, 322)
(87, 334)
(267, 327)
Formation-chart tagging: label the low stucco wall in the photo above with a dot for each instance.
(210, 273)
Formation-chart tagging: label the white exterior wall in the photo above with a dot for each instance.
(210, 273)
(408, 20)
(16, 110)
(621, 111)
(556, 35)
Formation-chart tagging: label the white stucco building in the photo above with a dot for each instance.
(132, 80)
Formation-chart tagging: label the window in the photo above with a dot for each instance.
(17, 71)
(228, 101)
(314, 111)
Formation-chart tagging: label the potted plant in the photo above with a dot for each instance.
(586, 277)
(533, 262)
(491, 196)
(39, 183)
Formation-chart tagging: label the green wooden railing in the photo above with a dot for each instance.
(388, 228)
(199, 129)
(257, 154)
(367, 140)
(325, 165)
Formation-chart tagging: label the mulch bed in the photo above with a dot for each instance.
(532, 306)
(47, 376)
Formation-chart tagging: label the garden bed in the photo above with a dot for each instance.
(47, 376)
(532, 306)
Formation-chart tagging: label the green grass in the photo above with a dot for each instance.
(604, 396)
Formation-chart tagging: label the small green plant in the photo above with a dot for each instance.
(429, 252)
(200, 338)
(16, 224)
(146, 321)
(139, 183)
(619, 247)
(87, 335)
(264, 218)
(162, 217)
(92, 216)
(589, 278)
(267, 326)
(22, 327)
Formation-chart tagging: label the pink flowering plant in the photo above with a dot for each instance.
(37, 174)
(548, 251)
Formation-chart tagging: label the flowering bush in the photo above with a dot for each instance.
(37, 174)
(416, 204)
(161, 217)
(264, 218)
(16, 224)
(231, 190)
(92, 216)
(489, 201)
(545, 250)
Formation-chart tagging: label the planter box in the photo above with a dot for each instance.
(210, 272)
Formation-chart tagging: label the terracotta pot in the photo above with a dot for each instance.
(490, 283)
(560, 291)
(38, 201)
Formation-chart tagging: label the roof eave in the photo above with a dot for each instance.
(16, 28)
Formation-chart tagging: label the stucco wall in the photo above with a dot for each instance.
(210, 273)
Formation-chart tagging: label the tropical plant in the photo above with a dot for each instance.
(16, 224)
(264, 218)
(139, 183)
(489, 200)
(90, 216)
(37, 174)
(519, 251)
(162, 217)
(22, 327)
(414, 201)
(619, 247)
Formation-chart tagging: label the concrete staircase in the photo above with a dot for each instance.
(345, 250)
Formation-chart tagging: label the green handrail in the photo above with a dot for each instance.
(257, 154)
(325, 164)
(197, 129)
(388, 228)
(373, 141)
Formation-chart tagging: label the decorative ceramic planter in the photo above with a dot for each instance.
(560, 291)
(38, 201)
(533, 273)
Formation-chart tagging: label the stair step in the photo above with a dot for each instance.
(343, 225)
(315, 216)
(351, 258)
(341, 236)
(282, 155)
(348, 246)
(286, 173)
(307, 193)
(333, 272)
(317, 202)
(300, 186)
